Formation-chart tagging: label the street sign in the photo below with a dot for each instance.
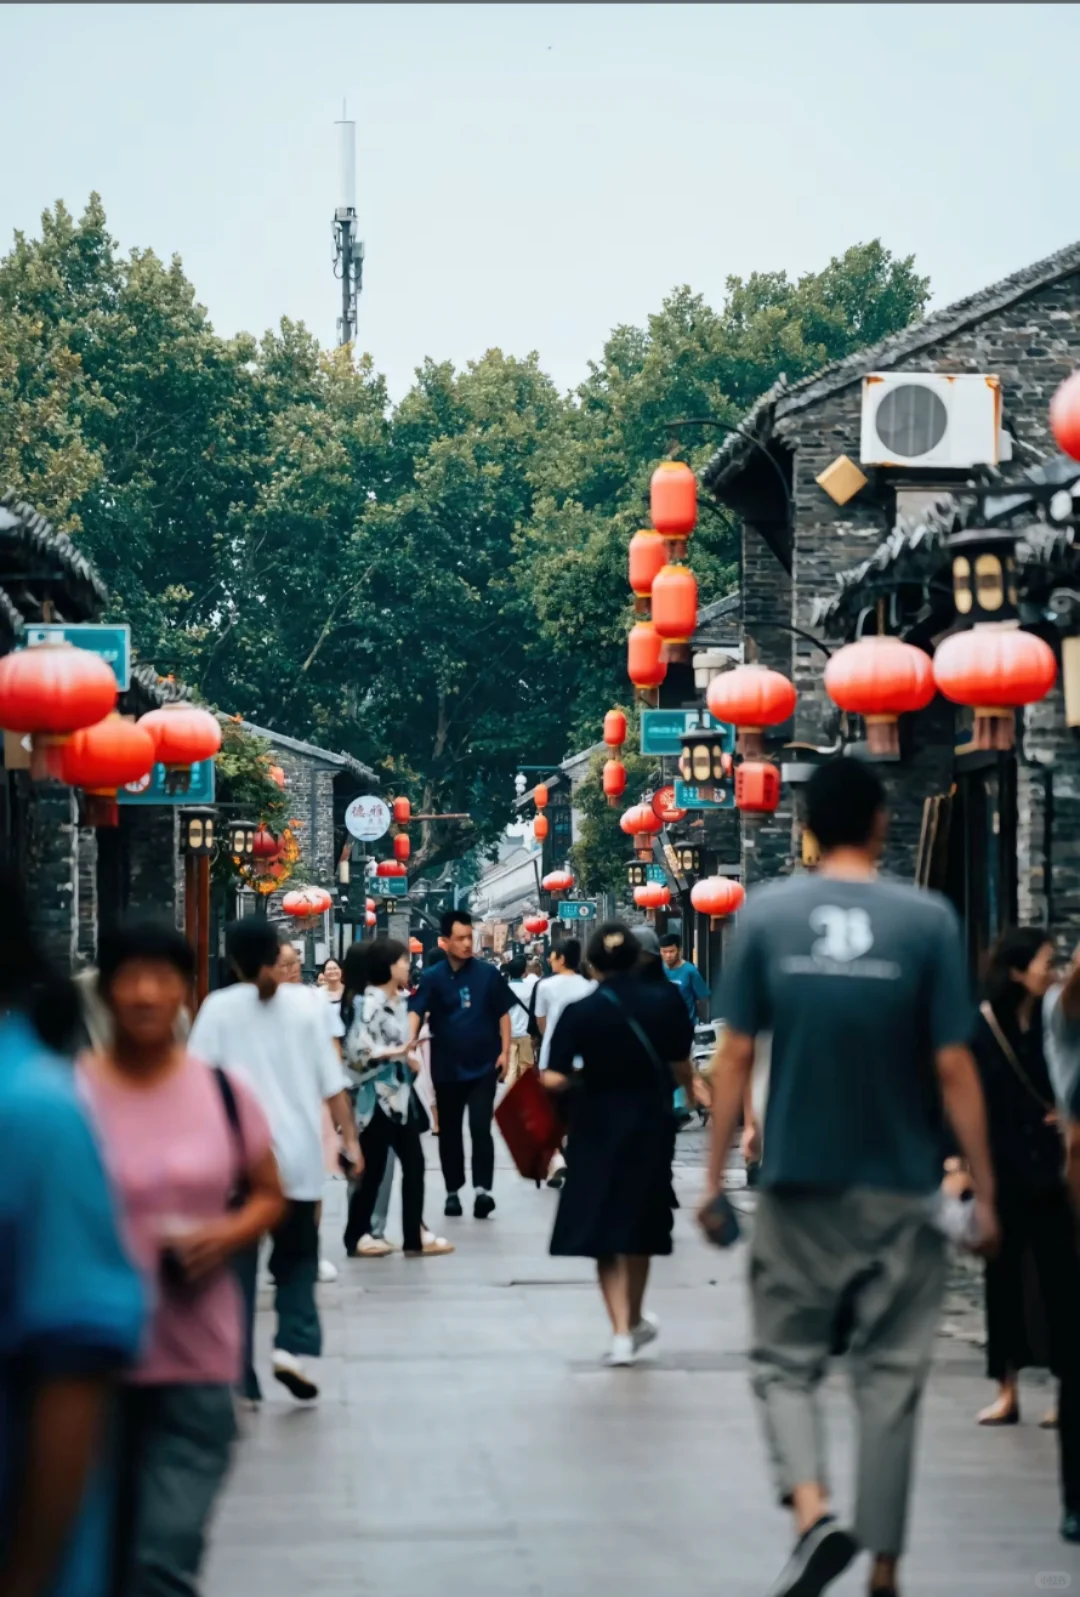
(393, 886)
(662, 729)
(112, 643)
(151, 789)
(665, 808)
(574, 909)
(367, 818)
(719, 797)
(655, 873)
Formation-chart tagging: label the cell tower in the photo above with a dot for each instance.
(348, 247)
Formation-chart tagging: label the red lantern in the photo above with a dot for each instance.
(388, 867)
(645, 665)
(673, 499)
(540, 795)
(401, 846)
(880, 679)
(717, 896)
(101, 759)
(415, 946)
(299, 904)
(674, 607)
(535, 925)
(369, 905)
(614, 729)
(277, 776)
(640, 823)
(370, 918)
(320, 898)
(402, 811)
(183, 735)
(557, 882)
(751, 697)
(647, 557)
(995, 669)
(614, 780)
(654, 895)
(1065, 416)
(52, 690)
(265, 845)
(757, 787)
(665, 808)
(541, 828)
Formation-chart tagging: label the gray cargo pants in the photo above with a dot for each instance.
(814, 1256)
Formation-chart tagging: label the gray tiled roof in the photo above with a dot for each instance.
(785, 399)
(30, 544)
(311, 751)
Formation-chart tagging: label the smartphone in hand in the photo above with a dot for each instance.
(720, 1222)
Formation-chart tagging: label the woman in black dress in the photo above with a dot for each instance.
(629, 1037)
(1037, 1223)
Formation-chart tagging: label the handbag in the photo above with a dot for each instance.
(530, 1126)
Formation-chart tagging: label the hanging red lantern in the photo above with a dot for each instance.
(183, 735)
(880, 679)
(750, 698)
(757, 787)
(557, 882)
(265, 845)
(401, 846)
(541, 828)
(674, 610)
(402, 811)
(101, 759)
(1065, 416)
(614, 781)
(370, 918)
(540, 795)
(614, 729)
(321, 899)
(415, 946)
(673, 499)
(640, 823)
(647, 556)
(277, 776)
(654, 895)
(299, 904)
(717, 896)
(535, 925)
(645, 665)
(664, 807)
(369, 905)
(52, 690)
(995, 670)
(389, 867)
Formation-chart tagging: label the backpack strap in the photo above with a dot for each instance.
(241, 1187)
(640, 1033)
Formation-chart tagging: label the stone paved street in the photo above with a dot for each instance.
(469, 1445)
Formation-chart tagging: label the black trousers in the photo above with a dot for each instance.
(476, 1098)
(1041, 1222)
(294, 1266)
(377, 1138)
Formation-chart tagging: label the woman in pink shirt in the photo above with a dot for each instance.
(188, 1151)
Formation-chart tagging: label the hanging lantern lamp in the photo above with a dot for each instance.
(757, 787)
(673, 501)
(880, 679)
(53, 690)
(401, 846)
(1065, 416)
(615, 729)
(995, 670)
(101, 759)
(648, 555)
(614, 781)
(183, 735)
(645, 665)
(717, 896)
(402, 811)
(674, 610)
(751, 698)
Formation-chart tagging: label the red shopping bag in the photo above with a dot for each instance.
(530, 1126)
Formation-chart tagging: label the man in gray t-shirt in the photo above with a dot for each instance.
(861, 984)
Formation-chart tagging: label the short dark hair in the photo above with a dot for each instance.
(843, 799)
(569, 951)
(452, 918)
(156, 940)
(613, 947)
(515, 970)
(671, 940)
(368, 964)
(251, 945)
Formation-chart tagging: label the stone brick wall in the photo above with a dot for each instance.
(151, 847)
(52, 870)
(309, 791)
(86, 936)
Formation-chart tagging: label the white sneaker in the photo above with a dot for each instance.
(556, 1175)
(370, 1247)
(291, 1373)
(645, 1331)
(621, 1352)
(327, 1271)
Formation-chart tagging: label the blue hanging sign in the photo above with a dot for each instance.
(152, 790)
(113, 644)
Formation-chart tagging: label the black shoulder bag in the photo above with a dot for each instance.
(241, 1189)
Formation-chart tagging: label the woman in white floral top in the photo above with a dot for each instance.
(389, 1113)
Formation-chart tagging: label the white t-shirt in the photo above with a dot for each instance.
(519, 1018)
(333, 1006)
(283, 1050)
(552, 997)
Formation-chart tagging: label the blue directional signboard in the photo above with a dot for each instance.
(392, 886)
(577, 909)
(112, 643)
(661, 730)
(719, 797)
(656, 873)
(151, 790)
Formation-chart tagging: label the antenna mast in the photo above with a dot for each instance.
(348, 247)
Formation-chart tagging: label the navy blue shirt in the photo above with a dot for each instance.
(464, 1008)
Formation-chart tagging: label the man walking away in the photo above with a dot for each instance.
(275, 1036)
(521, 986)
(467, 1005)
(687, 978)
(563, 987)
(862, 984)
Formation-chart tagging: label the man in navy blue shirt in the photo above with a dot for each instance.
(467, 1005)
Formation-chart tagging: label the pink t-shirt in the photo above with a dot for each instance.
(174, 1160)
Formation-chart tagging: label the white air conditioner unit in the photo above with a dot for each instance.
(929, 420)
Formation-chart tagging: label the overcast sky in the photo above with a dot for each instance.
(529, 176)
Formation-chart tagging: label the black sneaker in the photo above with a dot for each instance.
(1070, 1527)
(484, 1205)
(452, 1207)
(821, 1555)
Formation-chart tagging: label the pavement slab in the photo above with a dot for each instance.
(468, 1443)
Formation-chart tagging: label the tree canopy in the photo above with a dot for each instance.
(436, 586)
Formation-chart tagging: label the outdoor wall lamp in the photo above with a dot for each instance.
(197, 831)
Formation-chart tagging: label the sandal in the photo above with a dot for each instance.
(370, 1247)
(998, 1414)
(431, 1245)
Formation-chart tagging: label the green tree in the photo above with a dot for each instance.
(600, 855)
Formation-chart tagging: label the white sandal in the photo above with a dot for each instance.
(431, 1245)
(370, 1247)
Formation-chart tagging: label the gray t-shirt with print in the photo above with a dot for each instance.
(859, 983)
